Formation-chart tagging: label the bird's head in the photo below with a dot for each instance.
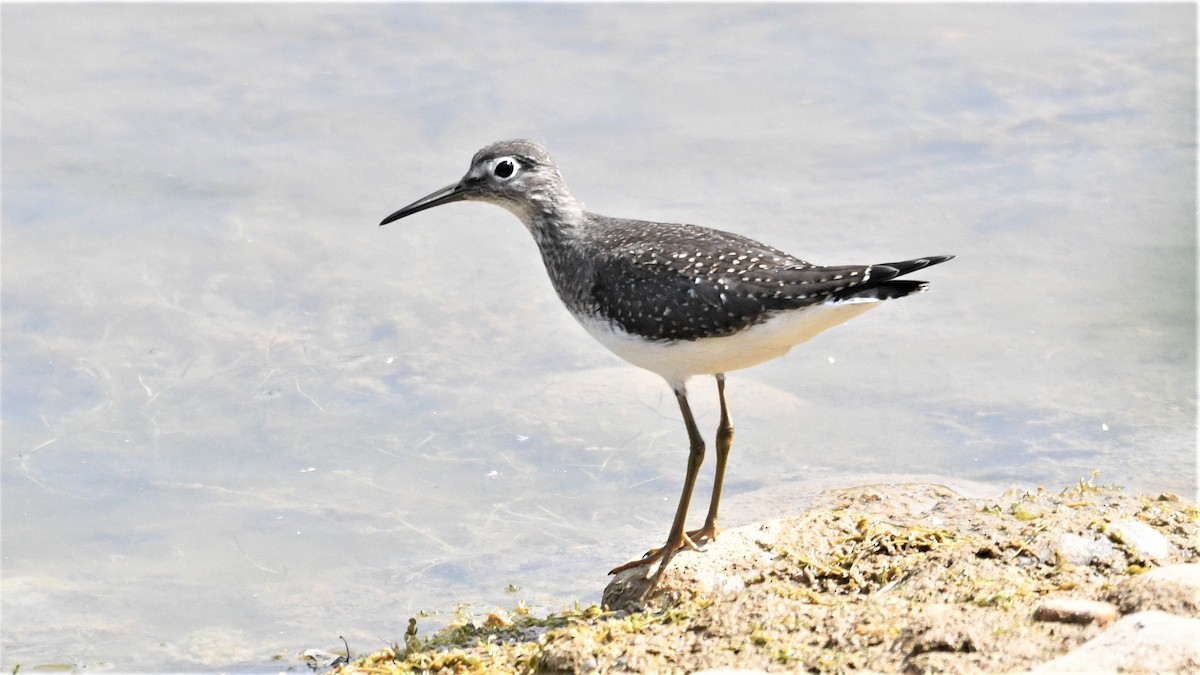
(518, 175)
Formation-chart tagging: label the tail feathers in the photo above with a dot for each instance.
(907, 266)
(887, 290)
(885, 286)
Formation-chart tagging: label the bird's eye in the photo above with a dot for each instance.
(504, 168)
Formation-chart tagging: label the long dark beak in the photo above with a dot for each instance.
(448, 194)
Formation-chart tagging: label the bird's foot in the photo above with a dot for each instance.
(707, 533)
(655, 554)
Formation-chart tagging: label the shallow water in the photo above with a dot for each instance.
(240, 420)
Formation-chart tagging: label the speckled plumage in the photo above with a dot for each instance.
(679, 300)
(666, 281)
(662, 281)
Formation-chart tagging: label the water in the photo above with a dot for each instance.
(241, 420)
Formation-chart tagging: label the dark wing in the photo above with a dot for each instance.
(683, 282)
(660, 303)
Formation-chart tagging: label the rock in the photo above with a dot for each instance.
(1076, 611)
(1174, 589)
(1140, 538)
(319, 659)
(723, 566)
(555, 660)
(1146, 642)
(939, 628)
(1078, 549)
(884, 578)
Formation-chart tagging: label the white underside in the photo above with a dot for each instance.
(676, 362)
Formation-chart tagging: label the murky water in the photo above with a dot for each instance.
(240, 420)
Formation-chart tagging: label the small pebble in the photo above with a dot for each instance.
(1082, 612)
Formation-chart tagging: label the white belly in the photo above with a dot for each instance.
(676, 362)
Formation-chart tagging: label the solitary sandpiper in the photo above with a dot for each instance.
(677, 300)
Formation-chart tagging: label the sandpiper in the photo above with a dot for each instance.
(678, 300)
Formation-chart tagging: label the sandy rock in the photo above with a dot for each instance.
(726, 565)
(740, 555)
(882, 578)
(1146, 642)
(1174, 589)
(561, 661)
(937, 629)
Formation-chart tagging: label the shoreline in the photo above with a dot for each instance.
(885, 578)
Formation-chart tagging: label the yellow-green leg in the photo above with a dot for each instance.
(724, 443)
(677, 538)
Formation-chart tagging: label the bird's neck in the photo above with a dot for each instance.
(553, 220)
(558, 226)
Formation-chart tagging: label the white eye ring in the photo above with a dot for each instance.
(505, 168)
